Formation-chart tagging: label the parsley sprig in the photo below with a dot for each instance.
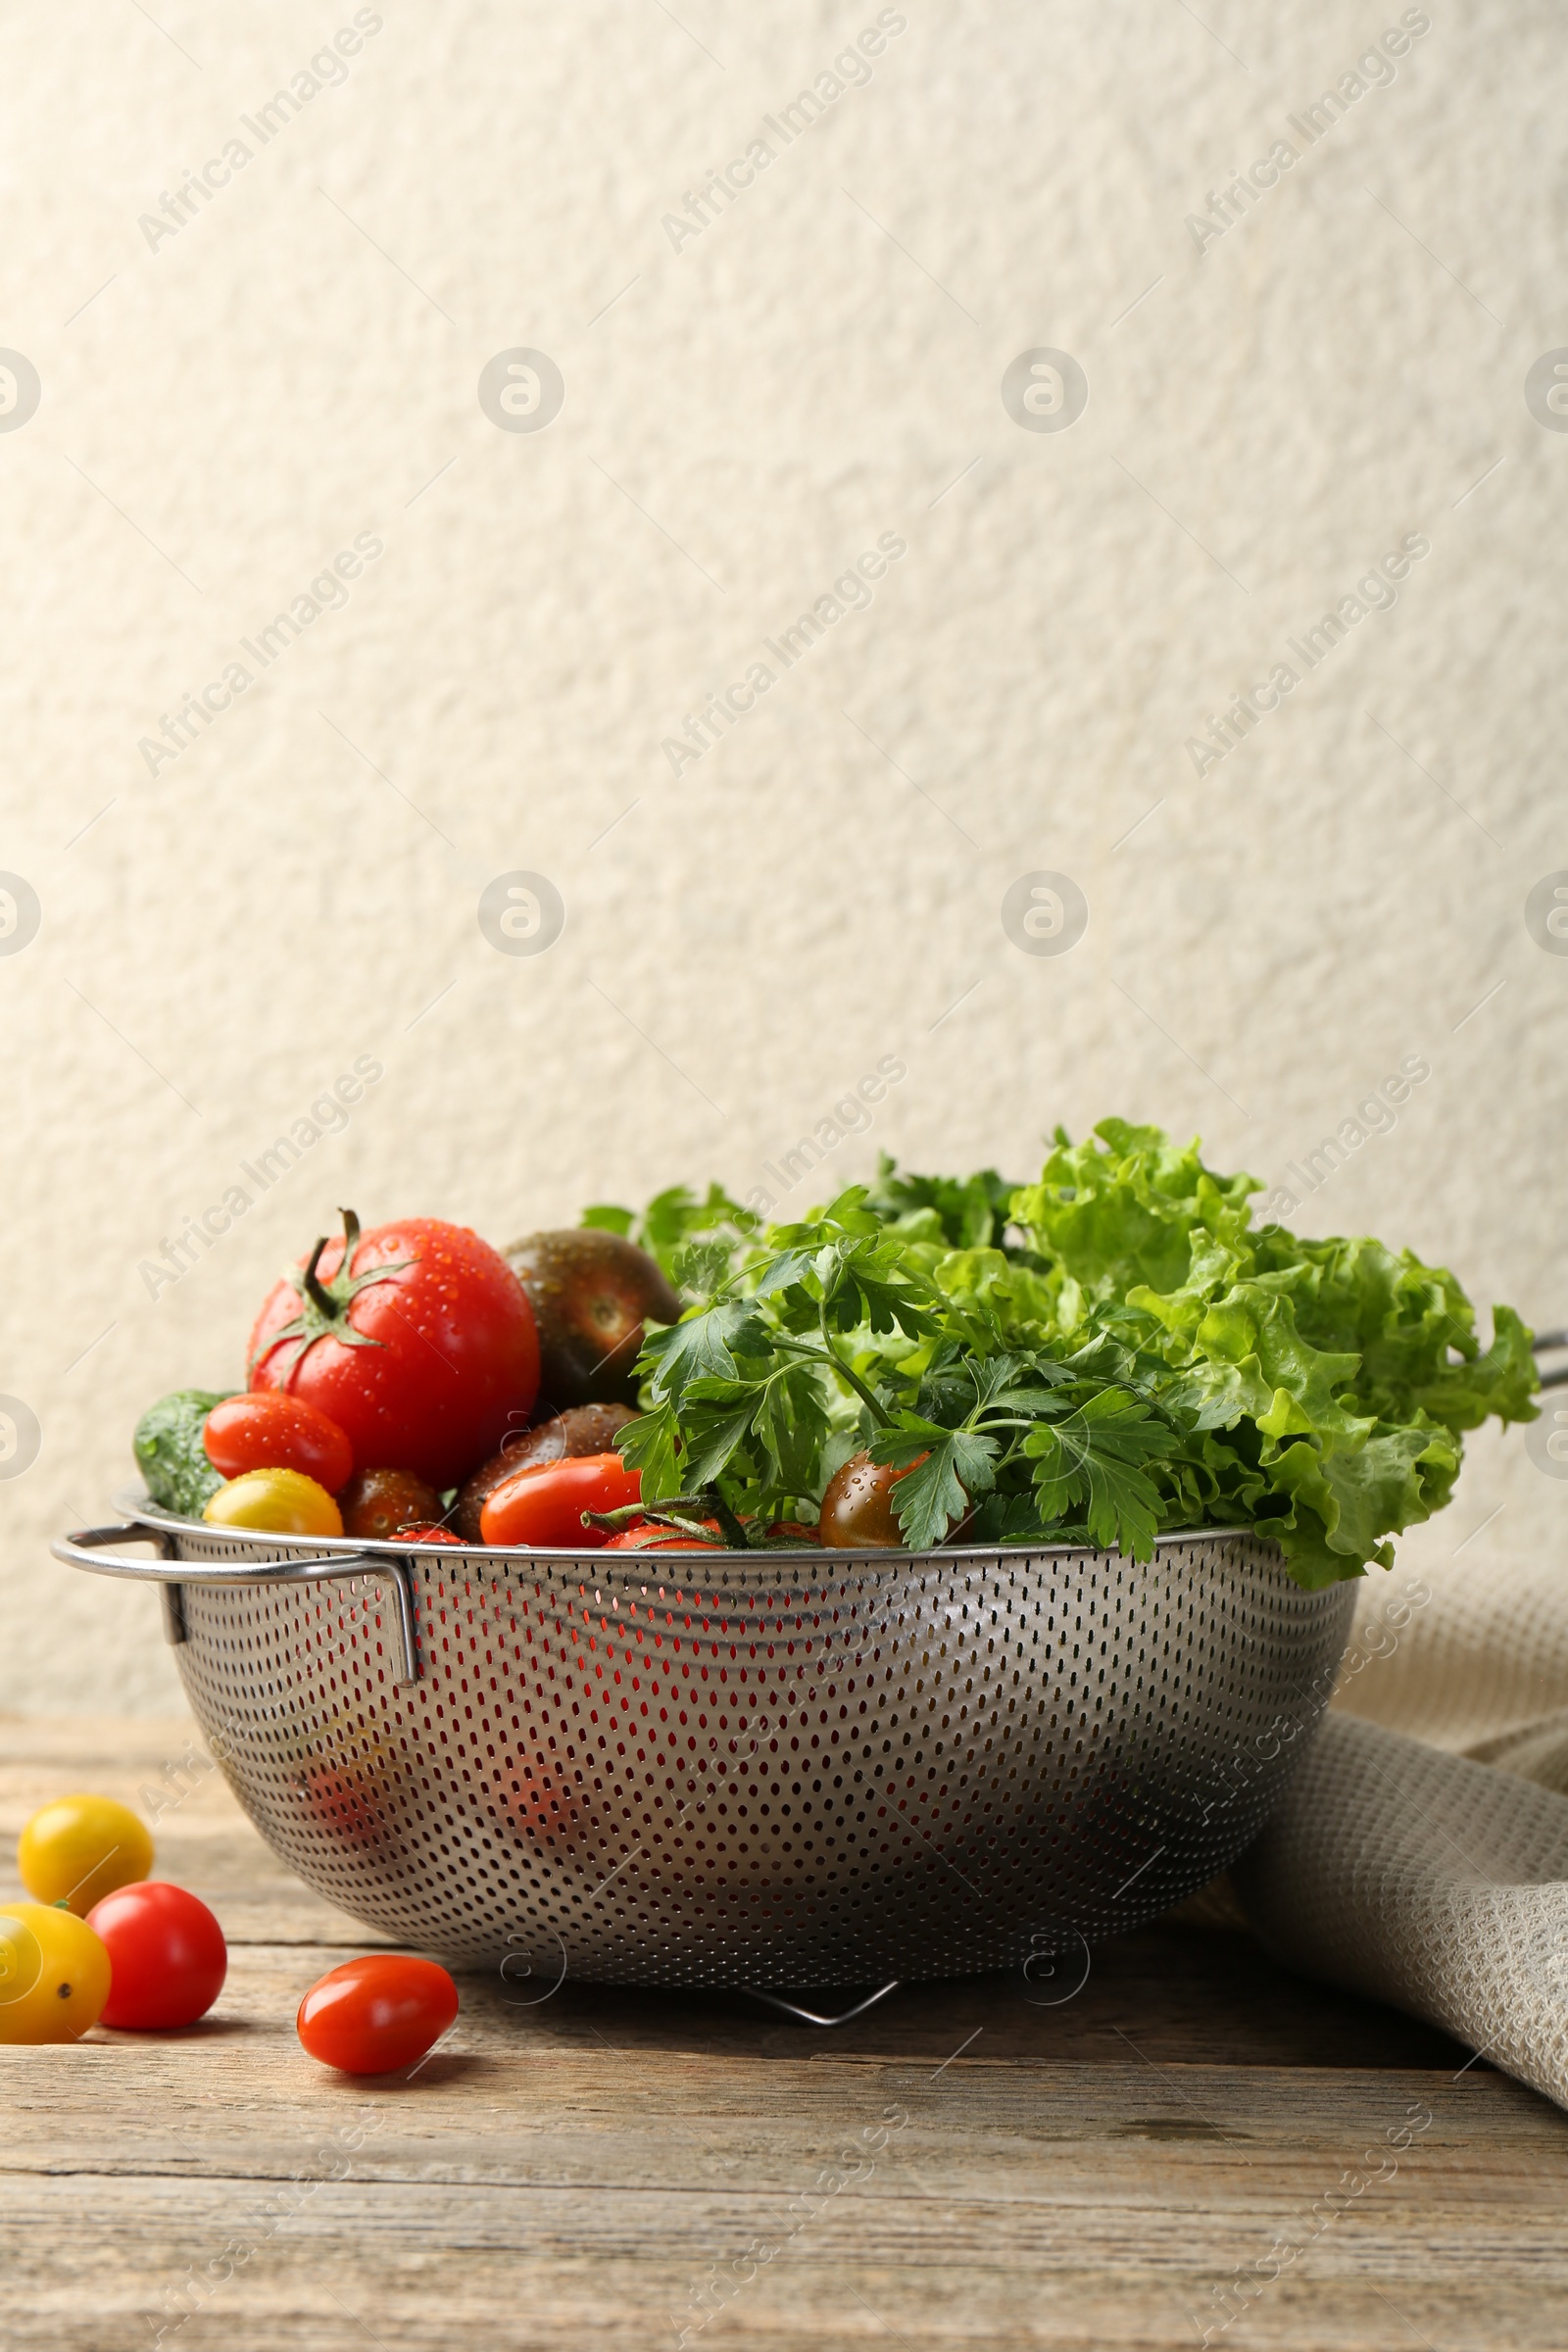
(829, 1336)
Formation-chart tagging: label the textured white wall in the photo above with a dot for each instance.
(747, 410)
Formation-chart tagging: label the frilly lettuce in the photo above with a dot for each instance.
(1326, 1382)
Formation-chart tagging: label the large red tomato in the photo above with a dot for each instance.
(418, 1340)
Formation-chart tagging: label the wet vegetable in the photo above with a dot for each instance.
(545, 1506)
(416, 1339)
(591, 1293)
(283, 1502)
(384, 1503)
(265, 1430)
(856, 1512)
(171, 1454)
(582, 1429)
(652, 1535)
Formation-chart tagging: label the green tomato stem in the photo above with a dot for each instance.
(732, 1526)
(689, 1527)
(315, 1290)
(668, 1511)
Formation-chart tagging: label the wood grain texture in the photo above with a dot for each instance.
(960, 2167)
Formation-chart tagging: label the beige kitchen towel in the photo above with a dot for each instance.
(1468, 1658)
(1406, 1860)
(1425, 1879)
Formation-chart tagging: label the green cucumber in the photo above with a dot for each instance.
(169, 1452)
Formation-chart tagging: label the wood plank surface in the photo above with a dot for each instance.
(1171, 2152)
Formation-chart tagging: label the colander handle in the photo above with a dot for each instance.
(89, 1548)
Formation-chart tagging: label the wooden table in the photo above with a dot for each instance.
(610, 2169)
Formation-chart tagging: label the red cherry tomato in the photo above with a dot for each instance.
(453, 1356)
(646, 1534)
(372, 2016)
(429, 1535)
(534, 1796)
(349, 1803)
(265, 1430)
(166, 1953)
(545, 1504)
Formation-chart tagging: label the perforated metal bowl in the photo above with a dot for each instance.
(727, 1768)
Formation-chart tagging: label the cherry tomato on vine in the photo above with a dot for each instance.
(416, 1339)
(80, 1848)
(545, 1504)
(283, 1501)
(167, 1954)
(646, 1534)
(267, 1430)
(376, 2014)
(54, 1974)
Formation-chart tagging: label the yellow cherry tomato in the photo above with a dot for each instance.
(54, 1974)
(285, 1502)
(80, 1848)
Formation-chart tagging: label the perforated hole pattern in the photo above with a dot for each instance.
(660, 1771)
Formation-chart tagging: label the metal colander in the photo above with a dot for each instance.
(761, 1770)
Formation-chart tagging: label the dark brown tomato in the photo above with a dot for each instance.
(856, 1512)
(591, 1292)
(582, 1429)
(382, 1503)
